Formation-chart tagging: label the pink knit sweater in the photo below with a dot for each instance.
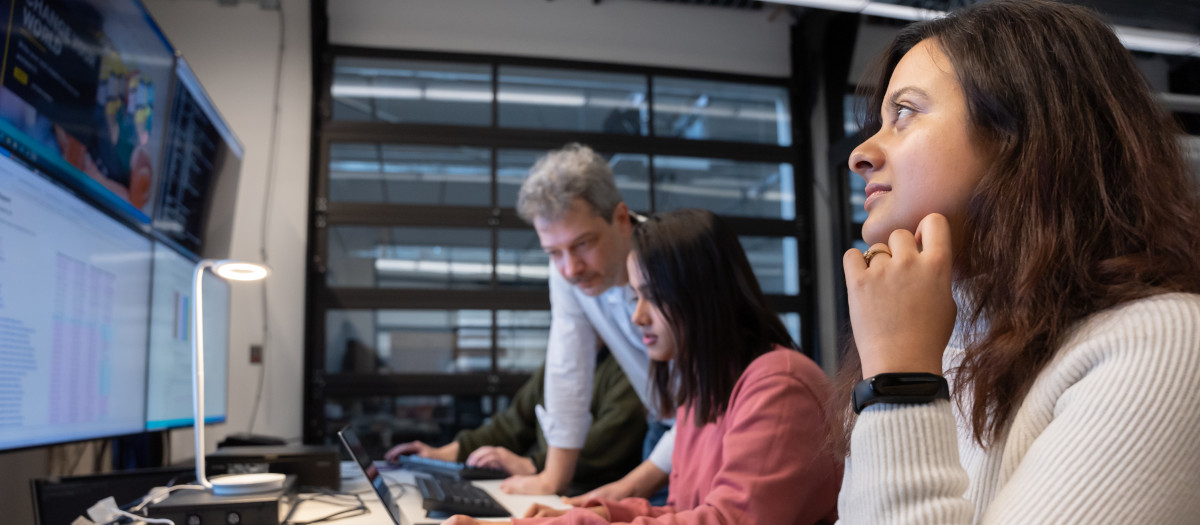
(759, 463)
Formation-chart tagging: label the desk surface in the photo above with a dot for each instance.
(409, 501)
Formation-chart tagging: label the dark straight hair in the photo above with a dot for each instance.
(697, 274)
(1086, 202)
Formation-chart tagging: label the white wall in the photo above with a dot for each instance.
(234, 51)
(619, 31)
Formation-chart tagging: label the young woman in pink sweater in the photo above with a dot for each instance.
(749, 445)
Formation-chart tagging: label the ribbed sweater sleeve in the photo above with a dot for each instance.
(1105, 435)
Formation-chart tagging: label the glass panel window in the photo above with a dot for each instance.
(707, 110)
(775, 264)
(408, 341)
(727, 187)
(631, 172)
(373, 257)
(512, 168)
(521, 263)
(394, 174)
(792, 322)
(521, 338)
(542, 98)
(854, 113)
(411, 91)
(858, 198)
(383, 422)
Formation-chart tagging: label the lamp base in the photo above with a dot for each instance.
(235, 484)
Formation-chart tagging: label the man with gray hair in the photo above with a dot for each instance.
(570, 198)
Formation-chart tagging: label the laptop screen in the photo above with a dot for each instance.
(360, 456)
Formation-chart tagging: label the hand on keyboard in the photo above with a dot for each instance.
(445, 453)
(503, 459)
(449, 468)
(536, 484)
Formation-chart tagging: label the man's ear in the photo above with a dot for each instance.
(620, 216)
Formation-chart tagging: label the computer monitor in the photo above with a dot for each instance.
(203, 161)
(74, 296)
(83, 95)
(169, 394)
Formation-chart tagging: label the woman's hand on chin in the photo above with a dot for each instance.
(901, 307)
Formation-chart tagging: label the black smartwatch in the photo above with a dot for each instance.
(905, 388)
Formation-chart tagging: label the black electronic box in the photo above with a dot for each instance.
(202, 507)
(313, 465)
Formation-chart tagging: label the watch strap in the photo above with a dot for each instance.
(902, 388)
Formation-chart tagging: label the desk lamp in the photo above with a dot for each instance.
(233, 483)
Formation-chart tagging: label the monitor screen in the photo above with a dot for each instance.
(203, 160)
(169, 398)
(74, 296)
(83, 85)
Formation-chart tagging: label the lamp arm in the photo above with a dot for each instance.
(198, 368)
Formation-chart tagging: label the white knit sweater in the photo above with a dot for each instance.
(1109, 433)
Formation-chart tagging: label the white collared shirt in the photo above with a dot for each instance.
(576, 320)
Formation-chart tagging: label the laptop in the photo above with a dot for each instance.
(441, 496)
(360, 456)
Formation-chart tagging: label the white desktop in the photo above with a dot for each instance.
(409, 500)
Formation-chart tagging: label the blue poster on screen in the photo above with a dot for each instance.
(83, 89)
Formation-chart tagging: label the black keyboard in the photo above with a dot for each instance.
(449, 497)
(449, 468)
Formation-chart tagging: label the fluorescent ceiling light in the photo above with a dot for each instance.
(1145, 40)
(541, 99)
(536, 272)
(459, 95)
(345, 90)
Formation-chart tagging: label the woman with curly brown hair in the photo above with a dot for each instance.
(1035, 240)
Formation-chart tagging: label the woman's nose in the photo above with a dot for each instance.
(639, 315)
(866, 158)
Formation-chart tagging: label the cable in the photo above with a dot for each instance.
(143, 518)
(358, 508)
(158, 494)
(98, 458)
(166, 459)
(84, 447)
(267, 201)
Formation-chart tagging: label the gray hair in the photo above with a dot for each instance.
(562, 175)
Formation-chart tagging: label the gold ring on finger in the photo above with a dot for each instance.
(871, 253)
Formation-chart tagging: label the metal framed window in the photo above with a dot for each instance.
(427, 295)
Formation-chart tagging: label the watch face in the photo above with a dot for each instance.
(906, 384)
(905, 388)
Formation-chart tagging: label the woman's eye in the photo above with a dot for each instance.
(902, 112)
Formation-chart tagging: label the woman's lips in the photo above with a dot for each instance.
(649, 339)
(874, 191)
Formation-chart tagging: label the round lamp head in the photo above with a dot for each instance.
(240, 270)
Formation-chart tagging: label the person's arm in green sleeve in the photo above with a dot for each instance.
(514, 429)
(614, 442)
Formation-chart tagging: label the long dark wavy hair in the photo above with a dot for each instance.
(697, 274)
(1087, 202)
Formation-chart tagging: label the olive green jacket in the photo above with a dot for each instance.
(614, 442)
